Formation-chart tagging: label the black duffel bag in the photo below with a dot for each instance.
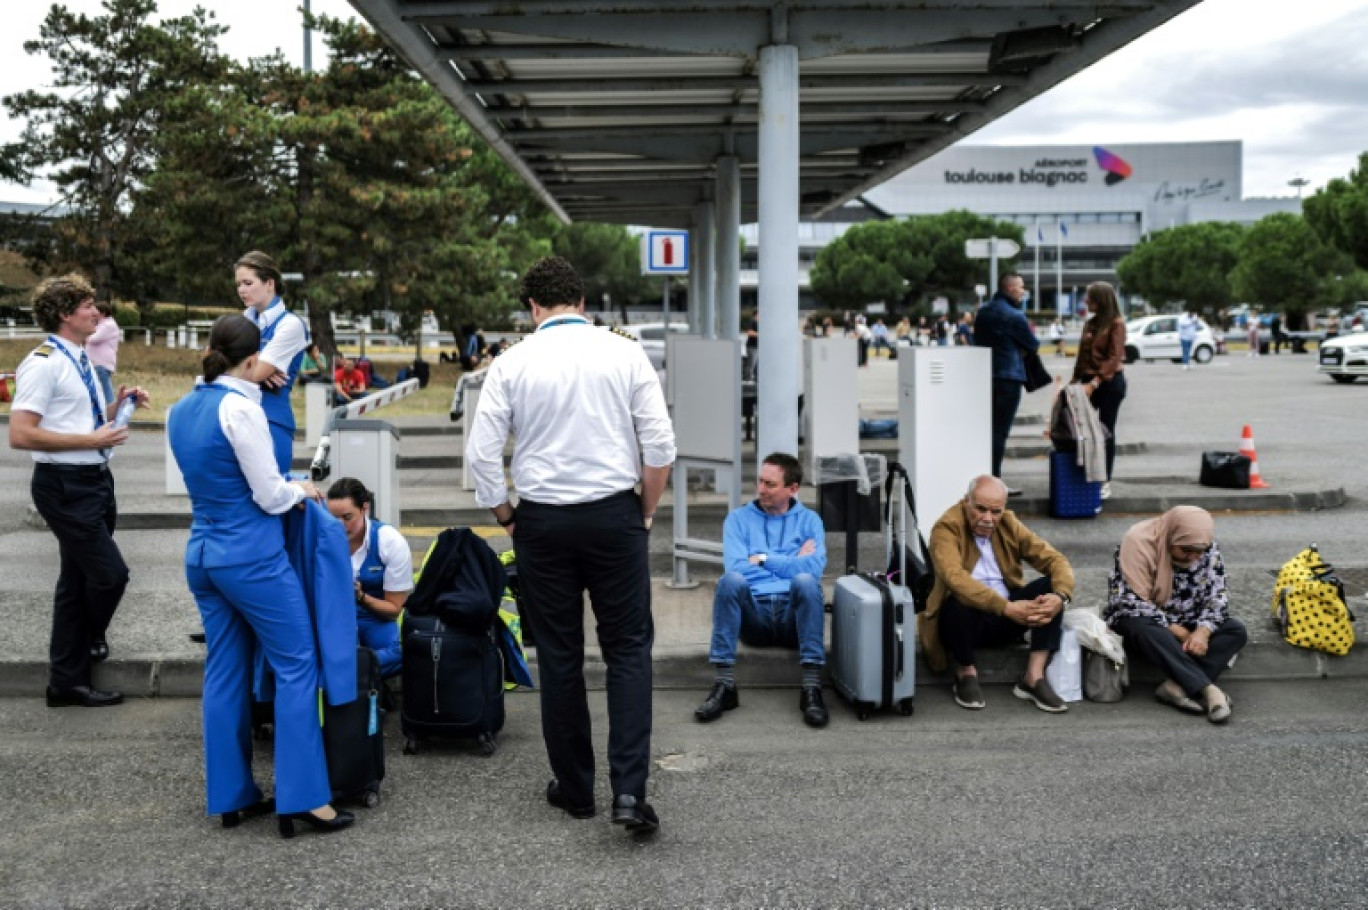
(1227, 470)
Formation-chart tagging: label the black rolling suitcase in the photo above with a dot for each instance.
(453, 684)
(353, 739)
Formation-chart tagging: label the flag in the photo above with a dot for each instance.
(1063, 231)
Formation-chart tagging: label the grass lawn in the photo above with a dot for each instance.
(168, 374)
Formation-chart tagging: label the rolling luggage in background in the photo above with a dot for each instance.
(1071, 496)
(874, 624)
(353, 739)
(453, 684)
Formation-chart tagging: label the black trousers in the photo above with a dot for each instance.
(77, 502)
(1106, 399)
(1006, 400)
(1156, 644)
(601, 547)
(962, 629)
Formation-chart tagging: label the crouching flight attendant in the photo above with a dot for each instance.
(382, 565)
(247, 592)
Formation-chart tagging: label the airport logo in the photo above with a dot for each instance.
(1117, 168)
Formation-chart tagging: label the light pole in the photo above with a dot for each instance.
(1299, 182)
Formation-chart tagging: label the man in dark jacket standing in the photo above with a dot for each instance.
(1001, 326)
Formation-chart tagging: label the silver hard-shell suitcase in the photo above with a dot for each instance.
(873, 644)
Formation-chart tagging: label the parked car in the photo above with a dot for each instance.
(1153, 337)
(1344, 358)
(652, 338)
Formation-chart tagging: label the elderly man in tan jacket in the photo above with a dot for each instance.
(977, 548)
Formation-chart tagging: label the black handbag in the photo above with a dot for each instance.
(1037, 376)
(1227, 470)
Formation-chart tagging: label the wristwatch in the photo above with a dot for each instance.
(761, 557)
(1067, 600)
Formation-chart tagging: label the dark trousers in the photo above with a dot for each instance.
(1107, 400)
(962, 629)
(77, 502)
(1156, 644)
(562, 551)
(1006, 399)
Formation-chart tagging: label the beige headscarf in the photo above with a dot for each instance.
(1145, 561)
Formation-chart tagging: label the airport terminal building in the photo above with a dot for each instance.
(1092, 203)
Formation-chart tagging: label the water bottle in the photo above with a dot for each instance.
(125, 412)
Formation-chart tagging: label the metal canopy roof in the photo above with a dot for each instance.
(617, 111)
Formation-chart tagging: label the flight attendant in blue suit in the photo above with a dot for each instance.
(283, 340)
(247, 592)
(383, 566)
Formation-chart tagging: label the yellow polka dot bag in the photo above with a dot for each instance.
(1309, 606)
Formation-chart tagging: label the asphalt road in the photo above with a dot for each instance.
(1127, 805)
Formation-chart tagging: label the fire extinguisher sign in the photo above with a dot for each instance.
(665, 253)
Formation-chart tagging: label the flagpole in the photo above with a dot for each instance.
(1035, 295)
(1059, 265)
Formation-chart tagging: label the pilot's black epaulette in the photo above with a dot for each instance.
(44, 349)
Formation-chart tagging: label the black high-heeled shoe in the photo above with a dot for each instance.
(256, 809)
(342, 820)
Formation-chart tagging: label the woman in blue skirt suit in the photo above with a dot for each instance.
(247, 592)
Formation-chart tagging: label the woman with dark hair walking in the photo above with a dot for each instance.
(247, 592)
(1100, 363)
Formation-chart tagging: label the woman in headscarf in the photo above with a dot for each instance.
(1167, 600)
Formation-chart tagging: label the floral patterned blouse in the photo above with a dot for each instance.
(1198, 599)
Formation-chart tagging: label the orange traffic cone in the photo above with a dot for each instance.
(1247, 448)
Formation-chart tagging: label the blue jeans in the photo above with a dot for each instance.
(793, 620)
(1187, 351)
(103, 374)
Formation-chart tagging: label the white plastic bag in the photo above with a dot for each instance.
(1065, 671)
(1094, 635)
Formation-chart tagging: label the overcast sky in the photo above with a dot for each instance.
(1288, 79)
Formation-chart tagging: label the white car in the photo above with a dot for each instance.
(1153, 337)
(652, 338)
(1344, 358)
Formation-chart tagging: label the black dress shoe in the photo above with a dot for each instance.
(99, 650)
(341, 820)
(722, 698)
(82, 697)
(197, 637)
(813, 708)
(255, 810)
(555, 797)
(635, 813)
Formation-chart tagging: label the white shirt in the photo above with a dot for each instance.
(1187, 327)
(585, 409)
(394, 553)
(288, 340)
(987, 571)
(49, 384)
(244, 423)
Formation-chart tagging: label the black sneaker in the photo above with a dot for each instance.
(968, 693)
(722, 698)
(1042, 693)
(813, 708)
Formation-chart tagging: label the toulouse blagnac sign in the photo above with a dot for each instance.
(1049, 172)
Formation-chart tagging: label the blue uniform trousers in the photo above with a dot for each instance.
(260, 601)
(381, 636)
(282, 442)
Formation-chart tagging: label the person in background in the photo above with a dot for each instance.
(314, 366)
(1275, 328)
(1188, 324)
(382, 563)
(879, 336)
(1101, 363)
(103, 348)
(349, 383)
(1057, 336)
(1252, 334)
(247, 592)
(283, 339)
(61, 417)
(964, 331)
(1167, 600)
(1001, 326)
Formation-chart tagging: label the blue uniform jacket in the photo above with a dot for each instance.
(316, 545)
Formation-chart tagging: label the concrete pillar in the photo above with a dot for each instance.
(703, 279)
(777, 379)
(728, 240)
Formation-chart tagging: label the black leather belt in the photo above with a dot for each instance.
(92, 469)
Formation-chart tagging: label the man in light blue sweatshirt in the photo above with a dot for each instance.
(773, 551)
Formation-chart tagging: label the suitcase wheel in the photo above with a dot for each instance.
(488, 746)
(862, 712)
(370, 799)
(410, 746)
(905, 707)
